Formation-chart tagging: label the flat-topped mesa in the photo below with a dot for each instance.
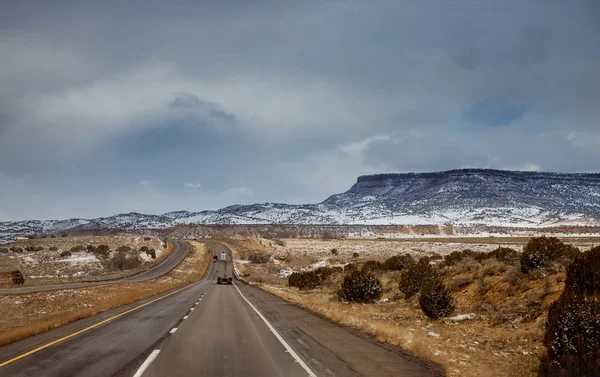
(473, 189)
(464, 173)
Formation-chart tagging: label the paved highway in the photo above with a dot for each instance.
(208, 330)
(179, 252)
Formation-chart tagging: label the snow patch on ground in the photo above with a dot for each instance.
(321, 263)
(285, 272)
(145, 257)
(461, 317)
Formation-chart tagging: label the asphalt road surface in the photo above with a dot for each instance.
(179, 252)
(208, 330)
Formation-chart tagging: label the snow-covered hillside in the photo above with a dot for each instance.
(459, 197)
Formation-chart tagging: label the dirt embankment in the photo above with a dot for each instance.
(28, 314)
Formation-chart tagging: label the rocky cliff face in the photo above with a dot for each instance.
(459, 197)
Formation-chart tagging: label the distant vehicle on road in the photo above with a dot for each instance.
(223, 255)
(224, 280)
(215, 258)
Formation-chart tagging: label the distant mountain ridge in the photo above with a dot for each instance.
(459, 197)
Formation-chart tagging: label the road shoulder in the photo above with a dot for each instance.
(330, 347)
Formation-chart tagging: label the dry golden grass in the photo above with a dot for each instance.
(470, 348)
(504, 338)
(28, 314)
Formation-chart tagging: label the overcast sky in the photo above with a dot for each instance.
(157, 107)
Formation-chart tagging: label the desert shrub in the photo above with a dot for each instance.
(312, 279)
(17, 278)
(573, 328)
(467, 264)
(355, 255)
(583, 275)
(151, 253)
(102, 251)
(456, 256)
(350, 267)
(258, 257)
(459, 283)
(504, 255)
(65, 254)
(53, 248)
(334, 252)
(573, 336)
(78, 248)
(144, 249)
(398, 262)
(294, 279)
(123, 249)
(371, 265)
(414, 278)
(123, 262)
(147, 238)
(493, 267)
(359, 287)
(15, 249)
(305, 280)
(3, 250)
(436, 256)
(325, 272)
(540, 251)
(34, 248)
(435, 300)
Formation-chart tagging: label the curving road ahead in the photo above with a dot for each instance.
(206, 329)
(178, 254)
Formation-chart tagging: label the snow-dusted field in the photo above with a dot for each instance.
(58, 260)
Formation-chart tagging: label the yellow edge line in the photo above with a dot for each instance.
(88, 328)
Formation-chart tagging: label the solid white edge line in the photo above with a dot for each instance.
(173, 330)
(146, 364)
(279, 337)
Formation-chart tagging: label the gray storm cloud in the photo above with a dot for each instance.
(225, 103)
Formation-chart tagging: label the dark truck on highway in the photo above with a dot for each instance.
(224, 280)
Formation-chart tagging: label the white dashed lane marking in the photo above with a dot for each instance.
(147, 363)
